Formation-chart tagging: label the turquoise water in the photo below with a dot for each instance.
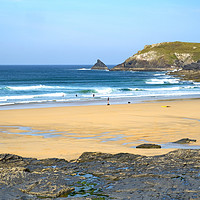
(76, 85)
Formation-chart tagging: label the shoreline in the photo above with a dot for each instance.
(96, 102)
(98, 128)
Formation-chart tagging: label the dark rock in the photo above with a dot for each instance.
(189, 72)
(184, 141)
(192, 66)
(174, 175)
(149, 146)
(143, 65)
(44, 188)
(99, 66)
(9, 158)
(93, 156)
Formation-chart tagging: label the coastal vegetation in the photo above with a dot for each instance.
(165, 56)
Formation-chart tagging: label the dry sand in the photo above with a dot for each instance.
(110, 129)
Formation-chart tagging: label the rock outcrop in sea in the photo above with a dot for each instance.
(166, 56)
(94, 175)
(99, 65)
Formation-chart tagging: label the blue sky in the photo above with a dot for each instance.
(81, 31)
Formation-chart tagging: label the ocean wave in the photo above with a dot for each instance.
(105, 90)
(130, 89)
(86, 91)
(33, 87)
(6, 104)
(163, 89)
(162, 81)
(99, 91)
(159, 74)
(191, 87)
(196, 83)
(5, 98)
(84, 69)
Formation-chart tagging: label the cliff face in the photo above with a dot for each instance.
(99, 66)
(189, 72)
(162, 56)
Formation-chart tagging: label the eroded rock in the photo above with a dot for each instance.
(174, 175)
(149, 146)
(185, 141)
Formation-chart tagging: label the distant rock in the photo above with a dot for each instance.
(149, 146)
(99, 65)
(184, 141)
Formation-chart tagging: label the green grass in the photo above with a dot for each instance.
(168, 50)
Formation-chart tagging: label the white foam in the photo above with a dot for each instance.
(162, 81)
(136, 89)
(104, 90)
(5, 98)
(84, 69)
(190, 87)
(159, 74)
(61, 94)
(163, 89)
(5, 104)
(34, 87)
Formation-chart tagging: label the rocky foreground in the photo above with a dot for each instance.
(175, 175)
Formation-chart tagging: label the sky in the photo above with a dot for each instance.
(81, 31)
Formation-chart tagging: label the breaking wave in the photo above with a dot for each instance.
(34, 87)
(162, 81)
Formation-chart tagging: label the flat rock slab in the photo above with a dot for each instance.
(94, 175)
(184, 141)
(45, 188)
(149, 146)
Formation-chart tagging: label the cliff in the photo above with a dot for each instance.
(165, 56)
(189, 72)
(99, 66)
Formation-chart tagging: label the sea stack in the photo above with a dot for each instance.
(99, 65)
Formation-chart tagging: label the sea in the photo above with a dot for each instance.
(74, 85)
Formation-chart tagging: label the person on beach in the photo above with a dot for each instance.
(108, 103)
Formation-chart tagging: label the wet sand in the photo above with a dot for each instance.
(67, 132)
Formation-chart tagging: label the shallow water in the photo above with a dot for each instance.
(103, 137)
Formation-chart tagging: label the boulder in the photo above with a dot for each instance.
(184, 141)
(149, 146)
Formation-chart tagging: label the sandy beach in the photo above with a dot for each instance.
(67, 132)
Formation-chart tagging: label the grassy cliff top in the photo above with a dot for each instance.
(169, 50)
